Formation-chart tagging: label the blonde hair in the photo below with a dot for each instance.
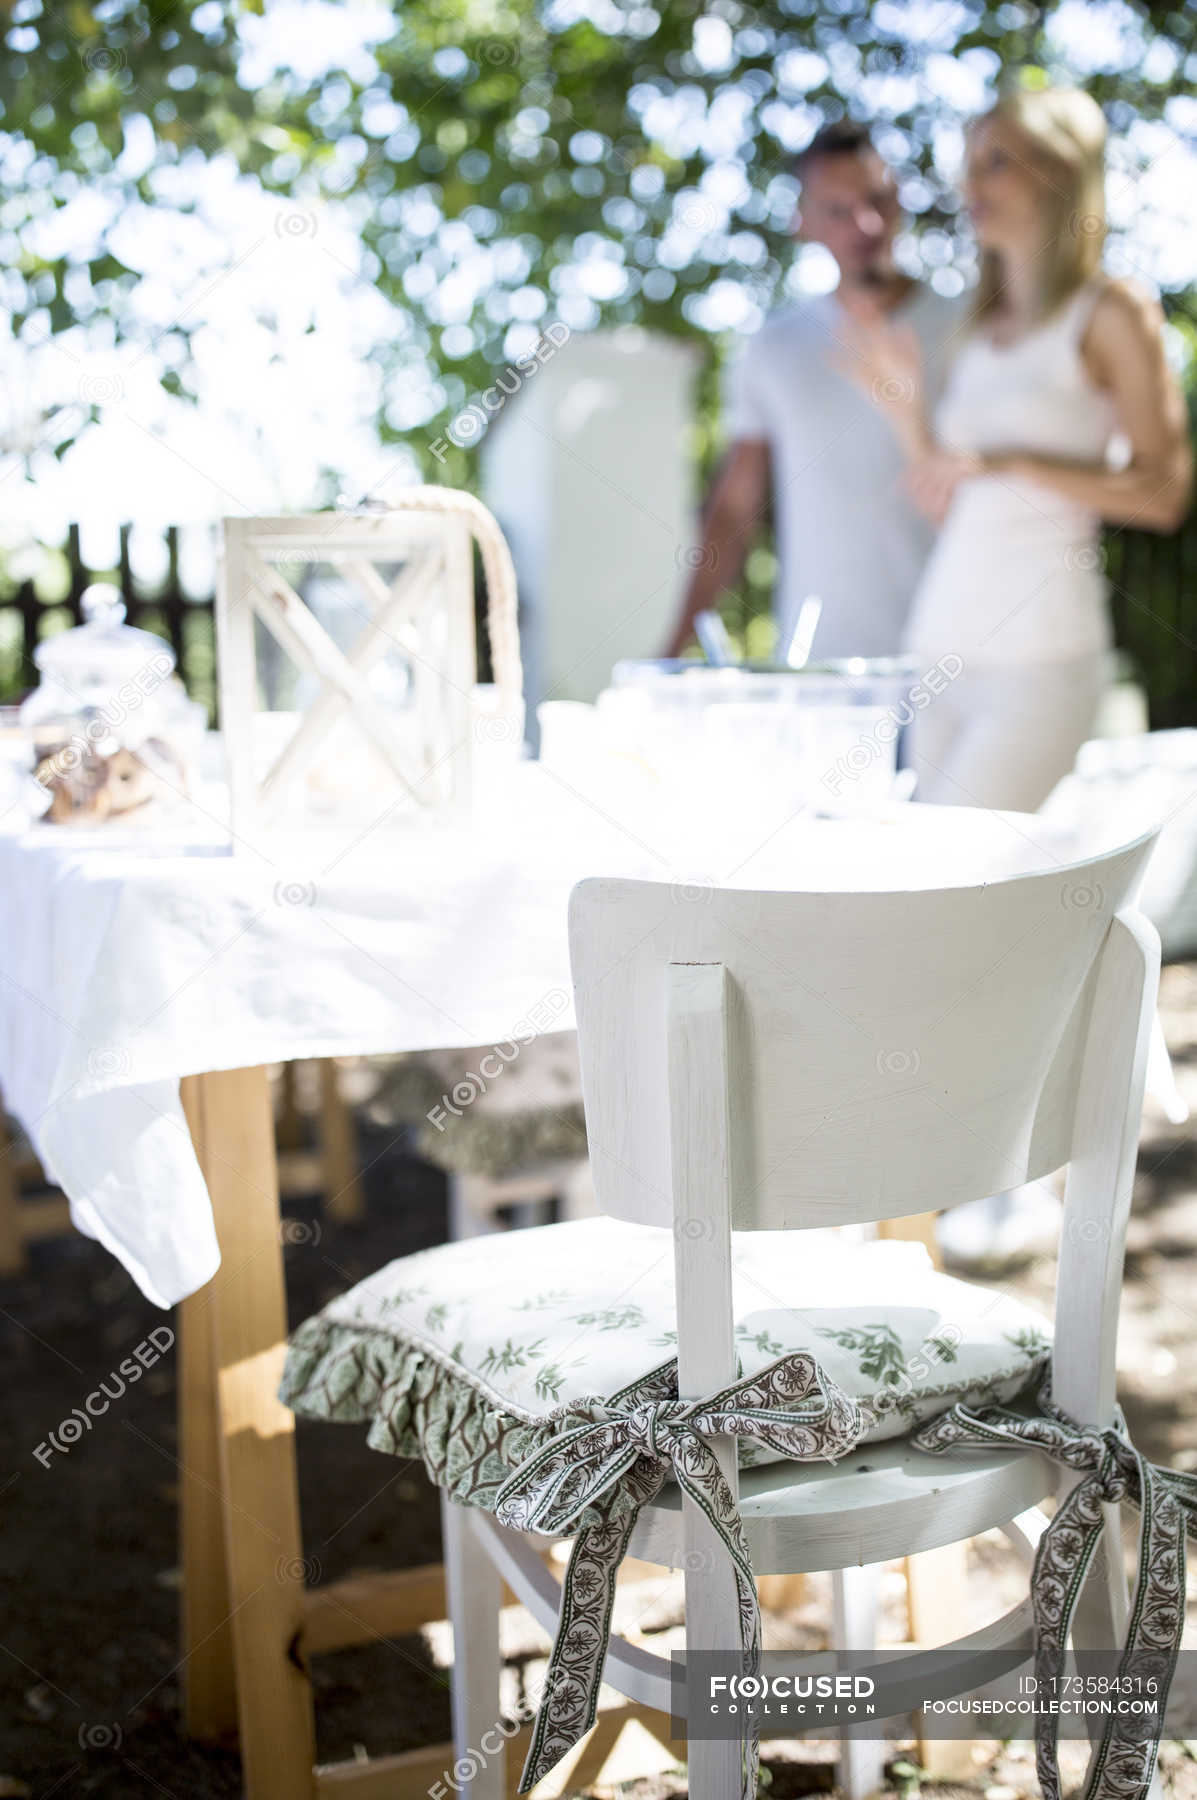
(1065, 134)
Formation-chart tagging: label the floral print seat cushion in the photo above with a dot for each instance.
(452, 1354)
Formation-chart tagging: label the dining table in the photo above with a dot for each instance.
(152, 973)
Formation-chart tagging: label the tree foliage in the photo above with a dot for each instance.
(510, 162)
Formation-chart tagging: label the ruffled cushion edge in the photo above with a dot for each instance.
(418, 1401)
(415, 1401)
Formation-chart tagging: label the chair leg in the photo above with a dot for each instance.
(474, 1596)
(466, 1220)
(712, 1624)
(854, 1614)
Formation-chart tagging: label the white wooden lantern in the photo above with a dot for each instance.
(385, 705)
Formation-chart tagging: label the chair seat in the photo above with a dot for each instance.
(880, 1501)
(459, 1354)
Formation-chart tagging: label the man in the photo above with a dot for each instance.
(802, 434)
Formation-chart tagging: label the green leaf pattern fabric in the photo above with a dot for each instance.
(456, 1354)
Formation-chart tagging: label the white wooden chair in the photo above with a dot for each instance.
(504, 1122)
(789, 1060)
(1127, 783)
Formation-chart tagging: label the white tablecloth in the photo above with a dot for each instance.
(128, 960)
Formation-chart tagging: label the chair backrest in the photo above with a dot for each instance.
(858, 1056)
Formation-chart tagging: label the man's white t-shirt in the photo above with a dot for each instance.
(845, 529)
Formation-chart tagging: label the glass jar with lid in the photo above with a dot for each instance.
(110, 725)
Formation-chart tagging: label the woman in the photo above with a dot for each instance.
(1059, 413)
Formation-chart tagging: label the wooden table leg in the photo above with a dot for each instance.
(919, 1228)
(247, 1325)
(209, 1690)
(344, 1199)
(12, 1244)
(934, 1586)
(288, 1126)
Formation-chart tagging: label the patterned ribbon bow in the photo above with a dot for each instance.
(599, 1462)
(1113, 1471)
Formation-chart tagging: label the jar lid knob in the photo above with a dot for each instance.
(101, 604)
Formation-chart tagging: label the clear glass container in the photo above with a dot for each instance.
(110, 725)
(851, 681)
(765, 736)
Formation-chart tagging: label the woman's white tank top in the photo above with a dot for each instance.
(1015, 574)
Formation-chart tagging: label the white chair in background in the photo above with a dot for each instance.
(504, 1122)
(788, 1060)
(593, 450)
(1128, 784)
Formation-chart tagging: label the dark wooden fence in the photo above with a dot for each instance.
(1153, 583)
(185, 620)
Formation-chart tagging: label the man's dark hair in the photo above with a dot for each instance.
(843, 137)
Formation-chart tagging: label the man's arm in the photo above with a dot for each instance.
(735, 506)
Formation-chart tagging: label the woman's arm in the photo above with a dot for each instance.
(884, 360)
(1123, 350)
